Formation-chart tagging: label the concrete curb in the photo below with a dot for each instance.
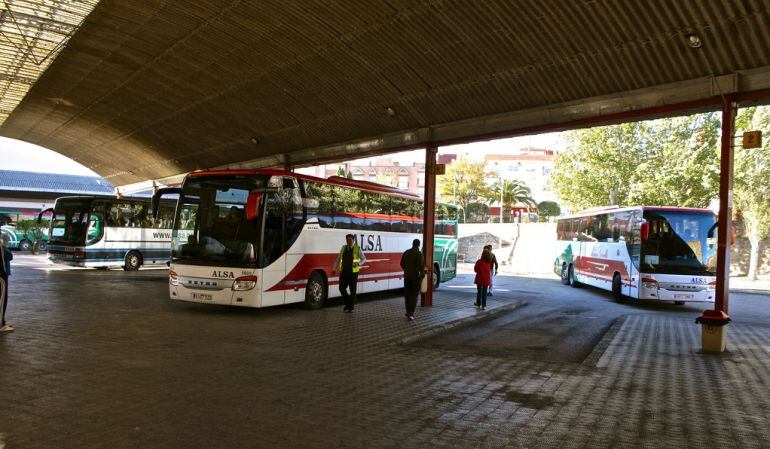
(461, 322)
(595, 356)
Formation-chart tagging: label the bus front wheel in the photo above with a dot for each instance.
(617, 289)
(133, 261)
(315, 291)
(25, 245)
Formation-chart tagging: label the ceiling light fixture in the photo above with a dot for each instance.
(693, 40)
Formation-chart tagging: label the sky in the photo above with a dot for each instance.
(23, 156)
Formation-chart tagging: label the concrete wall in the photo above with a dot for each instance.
(532, 247)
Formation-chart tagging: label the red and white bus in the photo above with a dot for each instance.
(259, 238)
(644, 252)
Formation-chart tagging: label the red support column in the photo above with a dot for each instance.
(428, 220)
(725, 204)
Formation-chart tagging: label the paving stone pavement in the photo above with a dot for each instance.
(104, 360)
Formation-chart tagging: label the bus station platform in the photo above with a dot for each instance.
(102, 359)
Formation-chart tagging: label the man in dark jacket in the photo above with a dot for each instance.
(412, 263)
(5, 271)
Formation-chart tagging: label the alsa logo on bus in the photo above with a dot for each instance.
(223, 274)
(369, 242)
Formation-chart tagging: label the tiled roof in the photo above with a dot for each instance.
(23, 181)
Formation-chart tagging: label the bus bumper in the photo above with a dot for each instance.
(661, 289)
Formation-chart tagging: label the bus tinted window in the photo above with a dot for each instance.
(320, 203)
(399, 214)
(377, 212)
(349, 208)
(415, 212)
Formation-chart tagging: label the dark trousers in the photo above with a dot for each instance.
(348, 282)
(3, 298)
(481, 295)
(411, 291)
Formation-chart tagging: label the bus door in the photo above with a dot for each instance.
(634, 246)
(282, 226)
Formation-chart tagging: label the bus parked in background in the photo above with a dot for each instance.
(645, 252)
(259, 238)
(104, 232)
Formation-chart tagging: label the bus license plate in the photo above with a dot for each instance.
(202, 296)
(682, 296)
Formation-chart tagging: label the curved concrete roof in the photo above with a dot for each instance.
(150, 89)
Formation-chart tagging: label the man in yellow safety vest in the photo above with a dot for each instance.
(349, 261)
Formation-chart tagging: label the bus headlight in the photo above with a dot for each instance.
(650, 283)
(173, 278)
(245, 283)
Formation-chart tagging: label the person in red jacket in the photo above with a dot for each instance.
(483, 279)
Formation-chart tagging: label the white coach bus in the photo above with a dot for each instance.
(645, 252)
(104, 232)
(259, 238)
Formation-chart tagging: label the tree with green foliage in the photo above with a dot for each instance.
(33, 232)
(667, 162)
(548, 209)
(476, 212)
(464, 183)
(512, 192)
(751, 181)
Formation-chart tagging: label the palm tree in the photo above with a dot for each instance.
(512, 192)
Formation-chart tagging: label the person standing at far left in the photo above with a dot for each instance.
(483, 279)
(5, 271)
(412, 263)
(348, 263)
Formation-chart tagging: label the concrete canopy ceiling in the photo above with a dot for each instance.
(146, 90)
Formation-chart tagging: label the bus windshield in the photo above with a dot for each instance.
(69, 223)
(679, 242)
(218, 221)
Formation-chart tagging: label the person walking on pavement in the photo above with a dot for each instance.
(483, 269)
(412, 263)
(5, 271)
(493, 272)
(348, 263)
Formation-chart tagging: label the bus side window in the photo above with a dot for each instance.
(343, 204)
(416, 213)
(295, 217)
(439, 220)
(377, 210)
(398, 214)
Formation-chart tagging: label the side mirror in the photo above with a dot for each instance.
(158, 195)
(40, 215)
(252, 205)
(644, 231)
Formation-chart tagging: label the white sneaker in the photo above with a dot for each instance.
(6, 328)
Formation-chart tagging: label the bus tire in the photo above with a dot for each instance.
(436, 277)
(564, 274)
(25, 245)
(42, 246)
(571, 274)
(617, 289)
(133, 261)
(315, 291)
